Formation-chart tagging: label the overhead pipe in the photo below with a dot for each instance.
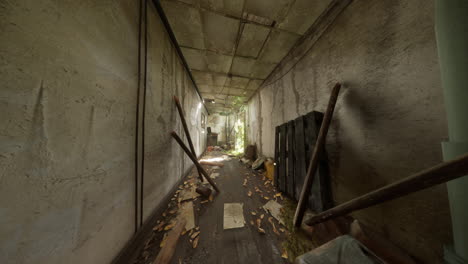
(451, 28)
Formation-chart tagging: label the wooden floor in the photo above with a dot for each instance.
(218, 246)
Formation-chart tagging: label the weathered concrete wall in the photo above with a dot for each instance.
(389, 119)
(67, 104)
(165, 161)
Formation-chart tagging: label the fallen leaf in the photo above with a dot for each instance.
(253, 213)
(173, 211)
(278, 194)
(197, 228)
(183, 232)
(284, 254)
(267, 182)
(261, 216)
(266, 198)
(163, 242)
(245, 182)
(282, 230)
(159, 226)
(169, 227)
(195, 242)
(194, 235)
(261, 230)
(252, 222)
(259, 222)
(204, 201)
(249, 193)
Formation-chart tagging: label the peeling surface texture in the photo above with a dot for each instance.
(68, 102)
(389, 119)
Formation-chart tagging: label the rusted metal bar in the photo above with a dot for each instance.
(441, 173)
(187, 132)
(318, 148)
(194, 159)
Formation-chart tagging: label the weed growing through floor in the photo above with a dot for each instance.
(297, 243)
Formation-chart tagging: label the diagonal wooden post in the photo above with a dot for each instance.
(187, 132)
(194, 159)
(441, 173)
(318, 148)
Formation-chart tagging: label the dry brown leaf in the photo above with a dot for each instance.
(252, 222)
(249, 193)
(262, 215)
(163, 242)
(278, 194)
(267, 182)
(284, 254)
(266, 198)
(245, 182)
(259, 222)
(169, 227)
(194, 235)
(195, 242)
(159, 226)
(282, 230)
(184, 231)
(197, 228)
(261, 230)
(204, 201)
(253, 213)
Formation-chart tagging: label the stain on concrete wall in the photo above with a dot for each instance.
(68, 102)
(389, 119)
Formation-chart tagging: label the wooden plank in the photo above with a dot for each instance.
(290, 183)
(441, 173)
(194, 160)
(186, 130)
(166, 253)
(301, 206)
(319, 189)
(276, 157)
(299, 153)
(282, 164)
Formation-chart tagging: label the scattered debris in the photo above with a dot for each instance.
(212, 163)
(249, 194)
(274, 208)
(270, 219)
(195, 242)
(253, 213)
(169, 227)
(194, 235)
(159, 227)
(258, 164)
(284, 254)
(169, 243)
(214, 175)
(245, 183)
(233, 215)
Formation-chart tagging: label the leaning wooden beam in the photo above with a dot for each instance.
(186, 130)
(166, 253)
(318, 149)
(194, 160)
(441, 173)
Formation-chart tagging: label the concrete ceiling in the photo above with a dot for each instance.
(231, 46)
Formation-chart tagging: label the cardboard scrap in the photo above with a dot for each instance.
(274, 208)
(233, 215)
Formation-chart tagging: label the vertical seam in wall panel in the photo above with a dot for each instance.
(144, 113)
(138, 115)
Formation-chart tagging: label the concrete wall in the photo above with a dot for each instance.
(389, 120)
(67, 104)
